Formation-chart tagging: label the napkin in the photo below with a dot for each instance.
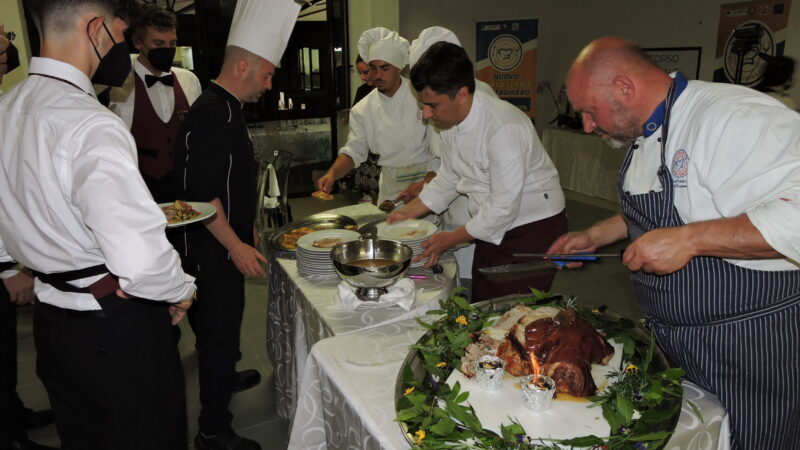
(402, 293)
(274, 189)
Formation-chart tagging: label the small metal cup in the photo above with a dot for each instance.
(489, 372)
(537, 391)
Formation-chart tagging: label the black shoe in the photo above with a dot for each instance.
(245, 379)
(27, 444)
(224, 440)
(31, 419)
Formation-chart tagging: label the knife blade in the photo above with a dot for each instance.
(568, 256)
(519, 268)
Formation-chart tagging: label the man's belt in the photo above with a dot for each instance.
(7, 265)
(101, 288)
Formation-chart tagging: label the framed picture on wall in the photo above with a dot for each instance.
(684, 59)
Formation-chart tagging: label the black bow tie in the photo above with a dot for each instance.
(150, 80)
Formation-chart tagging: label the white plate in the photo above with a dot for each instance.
(407, 231)
(206, 210)
(307, 242)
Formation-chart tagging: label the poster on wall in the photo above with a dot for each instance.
(682, 59)
(749, 33)
(506, 60)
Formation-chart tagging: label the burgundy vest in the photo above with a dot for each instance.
(155, 140)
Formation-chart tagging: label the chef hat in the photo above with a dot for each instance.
(428, 37)
(263, 27)
(384, 44)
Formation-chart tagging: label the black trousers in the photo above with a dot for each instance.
(216, 319)
(114, 382)
(10, 404)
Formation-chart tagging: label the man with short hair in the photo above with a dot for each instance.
(709, 197)
(155, 98)
(385, 122)
(494, 157)
(16, 289)
(74, 209)
(216, 164)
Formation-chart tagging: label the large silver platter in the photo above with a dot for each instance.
(321, 221)
(415, 363)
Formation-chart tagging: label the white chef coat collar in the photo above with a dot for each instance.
(655, 120)
(397, 94)
(62, 70)
(141, 70)
(472, 119)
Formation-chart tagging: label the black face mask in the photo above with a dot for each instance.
(161, 57)
(115, 66)
(12, 57)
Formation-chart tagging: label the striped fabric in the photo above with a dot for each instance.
(735, 331)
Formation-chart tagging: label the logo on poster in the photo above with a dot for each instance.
(505, 52)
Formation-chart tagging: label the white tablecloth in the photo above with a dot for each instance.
(348, 392)
(585, 162)
(303, 311)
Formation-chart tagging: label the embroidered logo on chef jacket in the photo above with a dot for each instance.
(680, 168)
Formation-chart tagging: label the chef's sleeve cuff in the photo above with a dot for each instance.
(482, 233)
(432, 197)
(777, 222)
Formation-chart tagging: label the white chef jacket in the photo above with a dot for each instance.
(496, 159)
(4, 258)
(71, 195)
(161, 96)
(730, 150)
(390, 127)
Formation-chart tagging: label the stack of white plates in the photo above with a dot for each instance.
(313, 260)
(410, 232)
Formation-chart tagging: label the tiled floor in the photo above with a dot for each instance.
(602, 282)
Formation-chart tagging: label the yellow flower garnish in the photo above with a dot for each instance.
(631, 368)
(441, 364)
(408, 391)
(420, 435)
(462, 320)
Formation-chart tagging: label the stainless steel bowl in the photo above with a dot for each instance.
(371, 281)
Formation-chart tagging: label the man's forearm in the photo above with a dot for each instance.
(735, 238)
(342, 165)
(220, 229)
(608, 231)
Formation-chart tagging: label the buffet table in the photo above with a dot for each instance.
(303, 310)
(585, 162)
(347, 396)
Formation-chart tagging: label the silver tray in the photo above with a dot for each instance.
(415, 363)
(321, 221)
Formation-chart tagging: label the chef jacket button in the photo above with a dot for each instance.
(659, 139)
(546, 196)
(635, 146)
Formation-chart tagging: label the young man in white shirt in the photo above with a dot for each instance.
(155, 98)
(385, 122)
(75, 211)
(494, 157)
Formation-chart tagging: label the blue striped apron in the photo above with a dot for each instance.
(735, 331)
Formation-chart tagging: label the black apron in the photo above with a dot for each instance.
(735, 331)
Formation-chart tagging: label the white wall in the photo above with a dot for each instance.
(566, 26)
(11, 16)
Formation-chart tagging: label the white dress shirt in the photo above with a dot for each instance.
(161, 96)
(730, 150)
(494, 156)
(71, 195)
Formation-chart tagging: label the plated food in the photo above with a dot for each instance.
(554, 342)
(322, 195)
(180, 212)
(326, 243)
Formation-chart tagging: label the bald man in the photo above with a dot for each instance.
(215, 164)
(709, 198)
